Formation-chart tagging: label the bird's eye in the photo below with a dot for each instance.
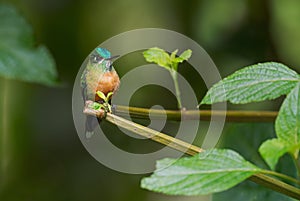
(96, 59)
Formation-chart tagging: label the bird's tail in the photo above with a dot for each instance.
(90, 125)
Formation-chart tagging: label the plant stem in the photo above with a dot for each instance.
(205, 115)
(5, 141)
(283, 176)
(187, 148)
(190, 149)
(297, 165)
(177, 90)
(147, 132)
(276, 185)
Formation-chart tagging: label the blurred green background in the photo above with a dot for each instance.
(46, 160)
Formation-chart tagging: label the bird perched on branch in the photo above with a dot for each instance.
(98, 76)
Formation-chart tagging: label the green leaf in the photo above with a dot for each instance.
(207, 172)
(287, 129)
(247, 138)
(287, 123)
(158, 56)
(19, 59)
(272, 150)
(109, 95)
(255, 83)
(184, 56)
(101, 95)
(96, 106)
(173, 55)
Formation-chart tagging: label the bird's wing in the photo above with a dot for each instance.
(89, 81)
(83, 85)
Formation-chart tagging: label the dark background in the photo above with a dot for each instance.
(46, 158)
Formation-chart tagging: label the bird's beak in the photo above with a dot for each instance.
(113, 57)
(111, 61)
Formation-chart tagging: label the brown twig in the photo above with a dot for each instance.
(205, 115)
(190, 149)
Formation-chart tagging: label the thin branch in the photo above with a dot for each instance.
(276, 185)
(205, 115)
(190, 149)
(147, 132)
(283, 176)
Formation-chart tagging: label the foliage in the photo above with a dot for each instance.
(207, 172)
(19, 58)
(105, 105)
(234, 32)
(287, 129)
(246, 138)
(217, 170)
(254, 83)
(261, 82)
(169, 62)
(163, 59)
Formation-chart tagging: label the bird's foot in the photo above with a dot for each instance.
(94, 109)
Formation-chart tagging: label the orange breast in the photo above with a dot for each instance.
(109, 83)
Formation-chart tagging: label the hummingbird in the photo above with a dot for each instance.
(99, 75)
